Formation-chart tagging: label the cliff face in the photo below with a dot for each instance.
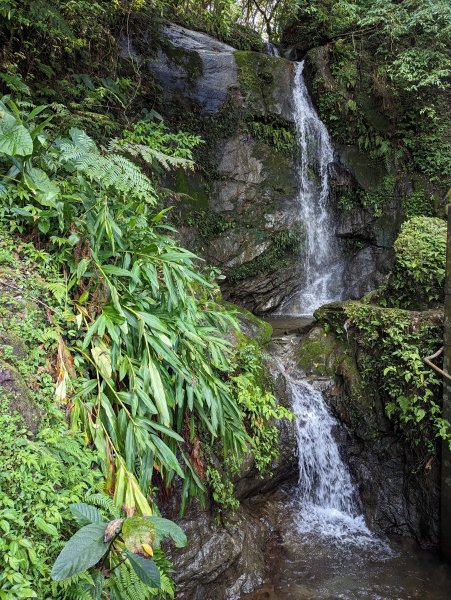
(240, 209)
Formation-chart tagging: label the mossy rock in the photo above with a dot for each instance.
(369, 173)
(323, 354)
(191, 188)
(252, 326)
(316, 352)
(18, 397)
(265, 83)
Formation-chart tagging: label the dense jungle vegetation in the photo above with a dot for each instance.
(138, 378)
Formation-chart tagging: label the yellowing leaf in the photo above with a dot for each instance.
(101, 355)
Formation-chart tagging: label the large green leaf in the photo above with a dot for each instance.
(167, 528)
(146, 569)
(38, 180)
(86, 513)
(137, 531)
(15, 139)
(84, 549)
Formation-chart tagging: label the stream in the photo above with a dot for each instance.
(322, 548)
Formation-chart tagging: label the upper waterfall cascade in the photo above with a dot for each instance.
(322, 264)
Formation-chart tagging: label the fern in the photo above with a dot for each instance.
(80, 153)
(104, 502)
(126, 585)
(151, 155)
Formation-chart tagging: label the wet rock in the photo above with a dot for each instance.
(366, 270)
(224, 560)
(196, 66)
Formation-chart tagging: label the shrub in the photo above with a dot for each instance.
(418, 275)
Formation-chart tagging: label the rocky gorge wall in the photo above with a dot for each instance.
(239, 210)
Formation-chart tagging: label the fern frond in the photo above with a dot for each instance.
(126, 585)
(150, 155)
(105, 502)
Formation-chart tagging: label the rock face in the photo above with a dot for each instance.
(226, 560)
(14, 309)
(239, 210)
(195, 66)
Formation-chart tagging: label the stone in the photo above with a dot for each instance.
(366, 270)
(195, 66)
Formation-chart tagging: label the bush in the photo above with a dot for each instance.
(418, 276)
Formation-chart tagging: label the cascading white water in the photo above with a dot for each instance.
(322, 268)
(327, 497)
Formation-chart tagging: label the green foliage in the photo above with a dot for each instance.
(373, 201)
(418, 203)
(157, 137)
(418, 275)
(144, 361)
(39, 479)
(208, 224)
(128, 550)
(222, 490)
(238, 22)
(147, 318)
(131, 541)
(259, 407)
(260, 413)
(281, 138)
(385, 88)
(394, 343)
(43, 471)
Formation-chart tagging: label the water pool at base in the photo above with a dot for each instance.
(315, 567)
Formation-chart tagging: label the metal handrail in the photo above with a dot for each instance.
(428, 360)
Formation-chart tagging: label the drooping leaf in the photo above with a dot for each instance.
(167, 528)
(159, 393)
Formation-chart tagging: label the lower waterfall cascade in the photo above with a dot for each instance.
(326, 497)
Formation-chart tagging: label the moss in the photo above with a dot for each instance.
(26, 335)
(369, 173)
(191, 189)
(315, 352)
(189, 60)
(19, 397)
(324, 354)
(383, 366)
(257, 76)
(252, 326)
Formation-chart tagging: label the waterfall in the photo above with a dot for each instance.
(270, 49)
(327, 497)
(322, 265)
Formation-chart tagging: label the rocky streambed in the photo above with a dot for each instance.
(385, 550)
